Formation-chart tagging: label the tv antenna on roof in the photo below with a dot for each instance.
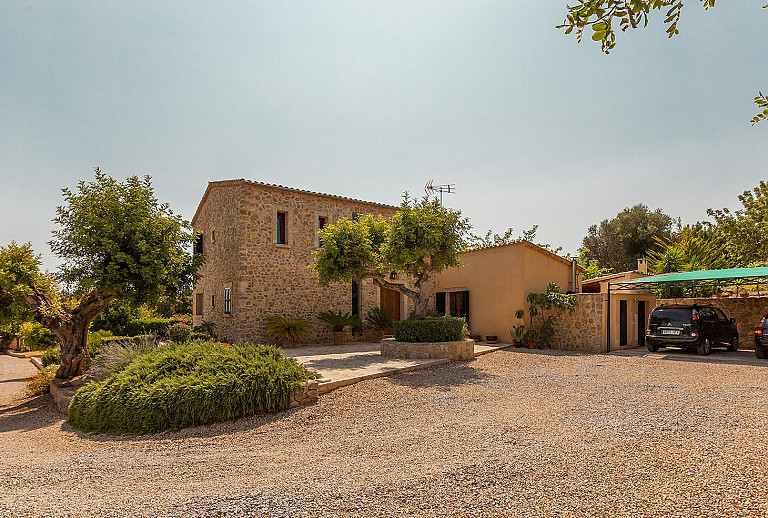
(430, 188)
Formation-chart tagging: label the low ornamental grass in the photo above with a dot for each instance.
(179, 385)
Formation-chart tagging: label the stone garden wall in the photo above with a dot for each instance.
(747, 311)
(584, 329)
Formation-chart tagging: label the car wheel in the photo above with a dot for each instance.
(704, 347)
(761, 352)
(652, 348)
(734, 345)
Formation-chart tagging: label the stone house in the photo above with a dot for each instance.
(495, 281)
(258, 241)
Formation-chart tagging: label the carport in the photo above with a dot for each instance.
(693, 283)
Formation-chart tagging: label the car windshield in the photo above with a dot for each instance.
(671, 316)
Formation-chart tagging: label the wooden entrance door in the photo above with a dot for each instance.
(390, 299)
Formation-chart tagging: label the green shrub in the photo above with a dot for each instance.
(149, 326)
(51, 356)
(36, 337)
(286, 328)
(431, 329)
(180, 385)
(207, 327)
(199, 335)
(115, 317)
(338, 321)
(380, 318)
(179, 333)
(41, 383)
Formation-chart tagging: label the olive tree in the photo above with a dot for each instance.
(116, 241)
(19, 269)
(421, 240)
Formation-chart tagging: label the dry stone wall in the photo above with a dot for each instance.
(267, 278)
(747, 311)
(584, 328)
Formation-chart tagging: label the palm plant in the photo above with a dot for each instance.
(286, 328)
(380, 318)
(338, 320)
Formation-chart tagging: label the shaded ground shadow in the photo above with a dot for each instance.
(716, 356)
(29, 414)
(446, 376)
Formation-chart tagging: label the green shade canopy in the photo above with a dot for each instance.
(728, 276)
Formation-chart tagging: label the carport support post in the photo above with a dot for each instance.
(608, 322)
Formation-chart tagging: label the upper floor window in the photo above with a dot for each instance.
(281, 229)
(198, 304)
(355, 216)
(227, 301)
(320, 225)
(197, 247)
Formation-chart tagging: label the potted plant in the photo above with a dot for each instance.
(285, 328)
(381, 320)
(519, 334)
(338, 321)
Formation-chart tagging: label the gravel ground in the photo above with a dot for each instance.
(512, 433)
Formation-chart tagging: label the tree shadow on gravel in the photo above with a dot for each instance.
(29, 414)
(244, 424)
(445, 376)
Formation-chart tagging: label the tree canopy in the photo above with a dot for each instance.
(691, 249)
(422, 239)
(744, 232)
(618, 243)
(604, 17)
(117, 242)
(20, 269)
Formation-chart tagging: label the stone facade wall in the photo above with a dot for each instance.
(747, 311)
(267, 278)
(584, 329)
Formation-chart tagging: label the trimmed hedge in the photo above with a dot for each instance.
(431, 329)
(180, 385)
(149, 326)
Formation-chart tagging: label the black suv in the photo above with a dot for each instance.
(761, 338)
(691, 327)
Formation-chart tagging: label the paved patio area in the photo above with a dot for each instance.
(350, 363)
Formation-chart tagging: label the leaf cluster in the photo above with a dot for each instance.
(20, 275)
(115, 237)
(288, 328)
(422, 238)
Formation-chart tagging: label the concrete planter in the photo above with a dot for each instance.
(461, 350)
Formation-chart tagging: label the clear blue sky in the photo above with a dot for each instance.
(368, 99)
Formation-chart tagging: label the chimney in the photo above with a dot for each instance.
(642, 265)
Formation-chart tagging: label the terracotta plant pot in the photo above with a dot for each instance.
(475, 337)
(514, 342)
(338, 337)
(531, 345)
(744, 295)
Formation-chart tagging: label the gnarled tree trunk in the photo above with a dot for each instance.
(73, 338)
(422, 296)
(69, 326)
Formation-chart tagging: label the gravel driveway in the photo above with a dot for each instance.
(13, 372)
(513, 433)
